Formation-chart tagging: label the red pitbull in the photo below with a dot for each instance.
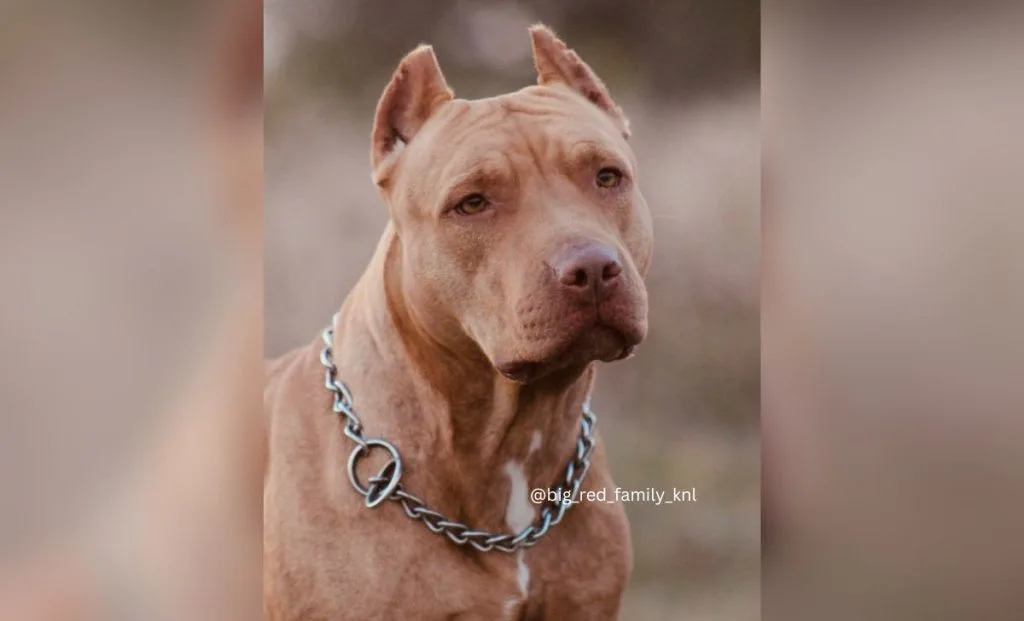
(462, 361)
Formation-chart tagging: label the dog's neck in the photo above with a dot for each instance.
(478, 420)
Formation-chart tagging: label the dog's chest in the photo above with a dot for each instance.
(327, 556)
(384, 567)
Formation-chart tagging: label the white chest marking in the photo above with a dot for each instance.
(519, 512)
(518, 515)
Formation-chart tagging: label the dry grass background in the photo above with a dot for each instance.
(685, 411)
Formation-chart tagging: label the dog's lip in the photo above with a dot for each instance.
(522, 370)
(519, 370)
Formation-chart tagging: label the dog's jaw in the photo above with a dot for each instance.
(597, 343)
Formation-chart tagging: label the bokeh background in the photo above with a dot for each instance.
(892, 292)
(130, 323)
(892, 299)
(685, 411)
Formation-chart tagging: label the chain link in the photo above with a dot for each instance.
(386, 485)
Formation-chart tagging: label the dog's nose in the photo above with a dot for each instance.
(591, 267)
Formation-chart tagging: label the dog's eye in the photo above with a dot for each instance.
(472, 204)
(609, 177)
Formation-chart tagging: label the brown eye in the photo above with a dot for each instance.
(472, 204)
(609, 178)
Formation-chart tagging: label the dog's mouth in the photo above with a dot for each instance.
(599, 342)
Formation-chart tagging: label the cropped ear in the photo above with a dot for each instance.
(415, 92)
(557, 64)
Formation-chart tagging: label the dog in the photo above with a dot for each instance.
(462, 361)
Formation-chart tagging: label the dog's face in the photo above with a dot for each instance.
(521, 224)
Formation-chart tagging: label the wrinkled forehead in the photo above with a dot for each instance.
(532, 127)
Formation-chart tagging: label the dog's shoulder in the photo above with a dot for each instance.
(294, 371)
(276, 369)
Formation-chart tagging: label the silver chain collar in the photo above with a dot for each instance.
(386, 484)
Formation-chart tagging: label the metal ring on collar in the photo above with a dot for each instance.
(389, 475)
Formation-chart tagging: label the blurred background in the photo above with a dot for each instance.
(130, 328)
(685, 411)
(110, 243)
(893, 292)
(892, 287)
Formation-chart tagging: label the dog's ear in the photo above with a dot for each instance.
(415, 92)
(557, 64)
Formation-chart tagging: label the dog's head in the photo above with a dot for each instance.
(521, 225)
